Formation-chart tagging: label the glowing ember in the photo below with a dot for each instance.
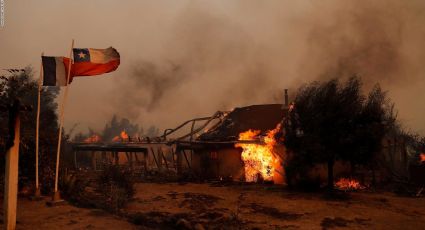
(92, 139)
(348, 184)
(259, 160)
(422, 157)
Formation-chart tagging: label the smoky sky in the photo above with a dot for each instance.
(190, 58)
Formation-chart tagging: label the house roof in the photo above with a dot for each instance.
(256, 117)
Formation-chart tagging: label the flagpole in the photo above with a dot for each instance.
(40, 79)
(56, 195)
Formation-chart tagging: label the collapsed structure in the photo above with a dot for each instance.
(212, 153)
(242, 144)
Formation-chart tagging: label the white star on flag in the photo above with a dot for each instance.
(82, 55)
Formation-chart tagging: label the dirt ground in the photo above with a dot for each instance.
(234, 206)
(270, 207)
(37, 215)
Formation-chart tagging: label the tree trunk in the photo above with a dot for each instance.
(331, 173)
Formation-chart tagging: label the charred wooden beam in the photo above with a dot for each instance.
(154, 157)
(213, 144)
(174, 160)
(187, 161)
(179, 161)
(163, 157)
(191, 131)
(145, 161)
(167, 132)
(121, 147)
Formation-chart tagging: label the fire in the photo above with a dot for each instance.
(92, 139)
(422, 157)
(348, 184)
(260, 161)
(123, 136)
(249, 135)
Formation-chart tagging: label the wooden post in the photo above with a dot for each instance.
(145, 160)
(11, 173)
(75, 160)
(116, 158)
(40, 80)
(179, 161)
(130, 159)
(136, 158)
(93, 160)
(56, 195)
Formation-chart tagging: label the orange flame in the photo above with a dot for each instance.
(92, 139)
(348, 184)
(422, 157)
(122, 137)
(249, 135)
(259, 160)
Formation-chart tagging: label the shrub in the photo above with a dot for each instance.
(116, 186)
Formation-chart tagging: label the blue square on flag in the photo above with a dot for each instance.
(81, 55)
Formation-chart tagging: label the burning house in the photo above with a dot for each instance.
(244, 145)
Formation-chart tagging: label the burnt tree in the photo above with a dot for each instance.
(332, 121)
(20, 84)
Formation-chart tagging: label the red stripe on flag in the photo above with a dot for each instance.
(66, 63)
(91, 69)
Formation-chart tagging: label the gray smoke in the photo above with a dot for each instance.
(363, 39)
(216, 59)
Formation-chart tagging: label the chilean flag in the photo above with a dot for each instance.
(89, 62)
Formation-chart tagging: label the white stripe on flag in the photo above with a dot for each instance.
(60, 72)
(102, 56)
